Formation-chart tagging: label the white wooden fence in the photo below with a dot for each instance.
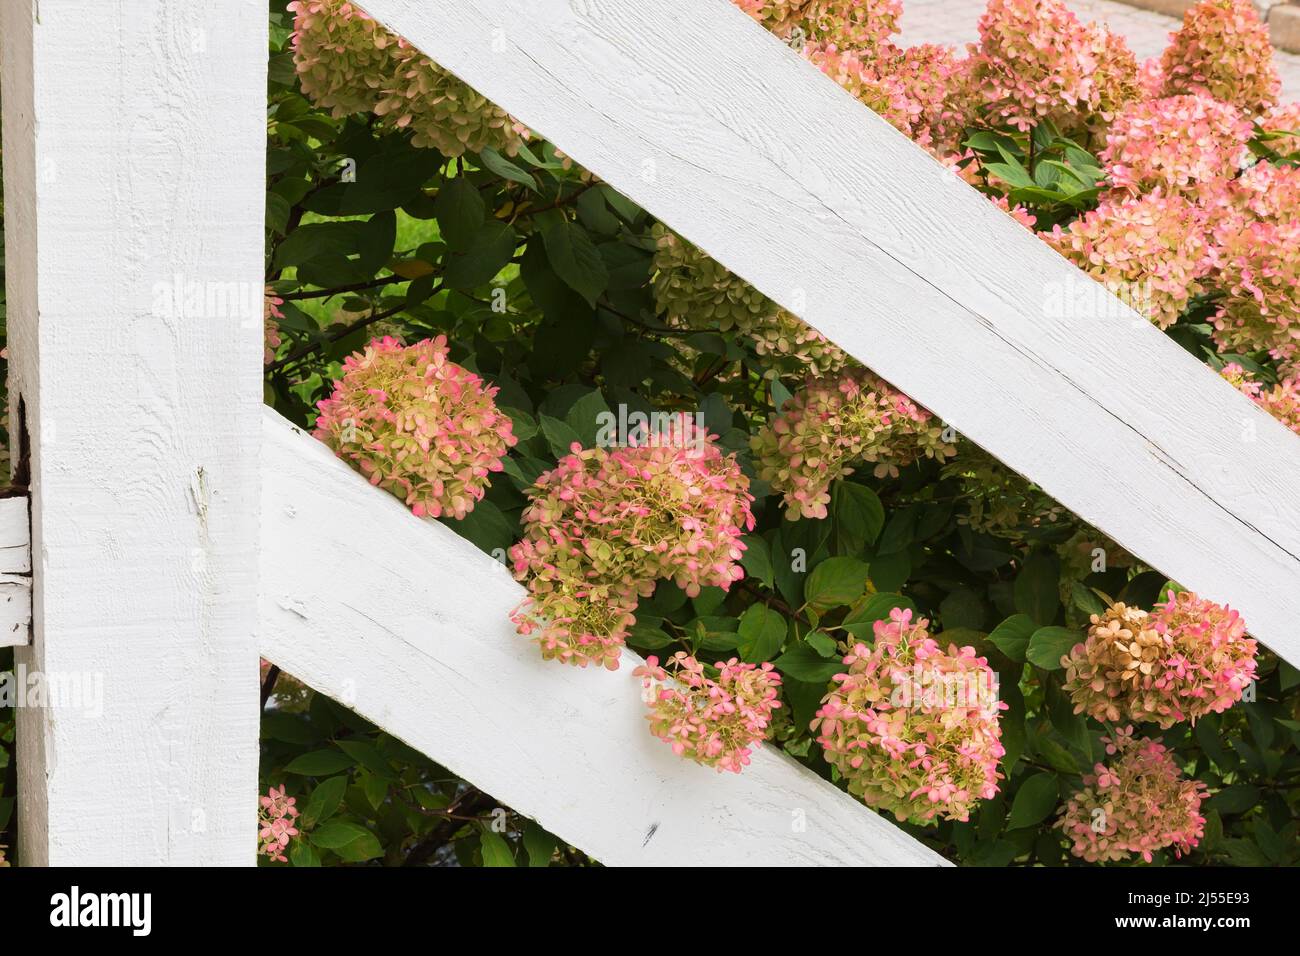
(144, 445)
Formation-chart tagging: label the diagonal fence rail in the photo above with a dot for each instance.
(696, 113)
(408, 624)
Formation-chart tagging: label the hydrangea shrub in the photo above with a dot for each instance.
(676, 466)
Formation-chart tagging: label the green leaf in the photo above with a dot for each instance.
(1086, 600)
(367, 754)
(1235, 799)
(320, 763)
(1034, 801)
(803, 663)
(585, 417)
(431, 799)
(900, 531)
(375, 788)
(303, 855)
(717, 414)
(1242, 852)
(324, 801)
(757, 560)
(316, 240)
(365, 847)
(338, 833)
(390, 179)
(490, 251)
(762, 632)
(962, 608)
(1036, 589)
(505, 169)
(822, 643)
(496, 851)
(1048, 645)
(460, 211)
(1012, 636)
(524, 425)
(780, 394)
(486, 527)
(836, 582)
(1143, 591)
(647, 636)
(708, 601)
(876, 607)
(559, 435)
(1016, 176)
(1287, 675)
(1209, 737)
(539, 844)
(289, 728)
(890, 572)
(858, 516)
(595, 214)
(1056, 756)
(576, 260)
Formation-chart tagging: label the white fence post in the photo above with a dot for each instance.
(134, 145)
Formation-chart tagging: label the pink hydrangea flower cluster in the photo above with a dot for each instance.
(714, 721)
(1035, 60)
(914, 729)
(1259, 272)
(1223, 51)
(349, 63)
(923, 91)
(834, 423)
(1152, 251)
(1257, 263)
(344, 58)
(275, 824)
(417, 424)
(1187, 658)
(1263, 192)
(693, 291)
(1282, 401)
(271, 328)
(1138, 803)
(1178, 144)
(1283, 123)
(855, 24)
(605, 524)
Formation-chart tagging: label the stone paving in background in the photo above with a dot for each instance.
(954, 22)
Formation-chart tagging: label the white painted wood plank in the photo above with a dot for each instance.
(15, 572)
(408, 624)
(693, 111)
(134, 150)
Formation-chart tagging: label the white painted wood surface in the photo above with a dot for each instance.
(695, 112)
(134, 151)
(15, 572)
(408, 624)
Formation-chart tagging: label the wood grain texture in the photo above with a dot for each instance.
(696, 113)
(408, 624)
(134, 150)
(15, 572)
